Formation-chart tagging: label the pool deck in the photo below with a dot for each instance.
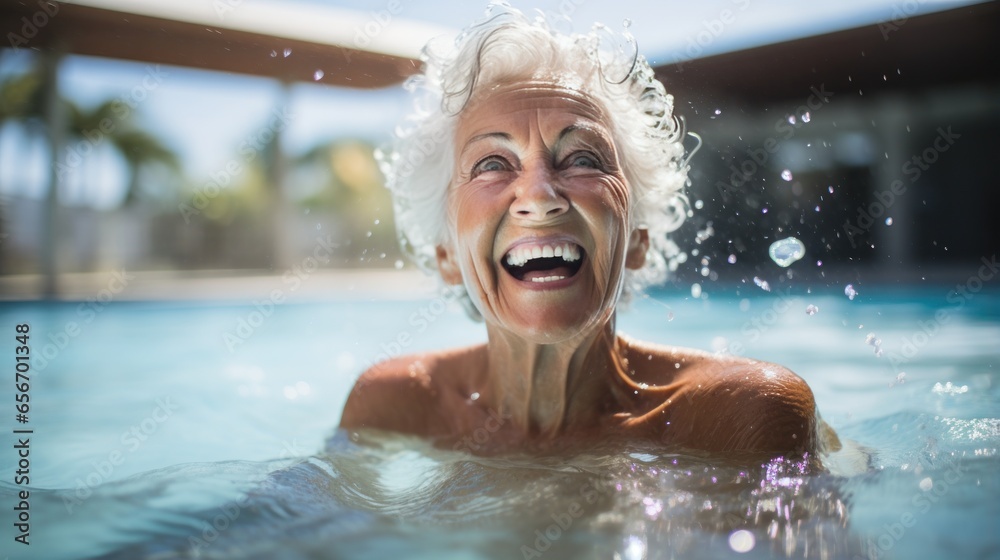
(225, 285)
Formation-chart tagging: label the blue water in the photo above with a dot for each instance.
(156, 435)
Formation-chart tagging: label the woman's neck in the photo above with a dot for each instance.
(550, 388)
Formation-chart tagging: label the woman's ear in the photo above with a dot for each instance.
(447, 266)
(638, 244)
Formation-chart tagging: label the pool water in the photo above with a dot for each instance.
(193, 430)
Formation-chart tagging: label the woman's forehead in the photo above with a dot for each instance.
(493, 106)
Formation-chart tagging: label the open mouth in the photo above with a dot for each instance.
(544, 262)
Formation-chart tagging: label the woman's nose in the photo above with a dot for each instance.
(537, 198)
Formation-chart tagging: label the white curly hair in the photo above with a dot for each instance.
(508, 46)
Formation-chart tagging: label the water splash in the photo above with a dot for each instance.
(786, 251)
(875, 343)
(696, 290)
(762, 284)
(949, 389)
(850, 292)
(742, 541)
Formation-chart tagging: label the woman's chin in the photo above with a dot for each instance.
(552, 324)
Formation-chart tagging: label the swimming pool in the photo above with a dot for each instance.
(183, 430)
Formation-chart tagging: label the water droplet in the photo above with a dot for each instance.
(786, 251)
(474, 396)
(791, 119)
(806, 117)
(871, 339)
(763, 210)
(731, 259)
(274, 54)
(830, 190)
(318, 75)
(627, 23)
(698, 204)
(670, 316)
(786, 175)
(762, 284)
(696, 290)
(816, 208)
(398, 264)
(319, 226)
(926, 484)
(377, 222)
(742, 541)
(888, 221)
(819, 263)
(850, 292)
(811, 309)
(901, 378)
(368, 234)
(287, 52)
(718, 111)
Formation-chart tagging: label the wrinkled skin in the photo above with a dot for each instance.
(536, 164)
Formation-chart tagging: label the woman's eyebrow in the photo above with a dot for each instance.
(486, 136)
(592, 133)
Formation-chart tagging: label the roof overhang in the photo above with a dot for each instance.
(289, 42)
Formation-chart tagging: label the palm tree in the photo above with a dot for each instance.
(139, 148)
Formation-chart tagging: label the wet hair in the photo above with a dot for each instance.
(506, 47)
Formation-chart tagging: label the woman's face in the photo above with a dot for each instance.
(538, 212)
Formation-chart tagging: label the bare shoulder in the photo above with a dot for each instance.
(405, 393)
(729, 403)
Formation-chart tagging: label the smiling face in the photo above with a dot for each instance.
(539, 212)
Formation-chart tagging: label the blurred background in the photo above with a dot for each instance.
(210, 140)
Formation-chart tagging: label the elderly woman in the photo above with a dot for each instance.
(542, 173)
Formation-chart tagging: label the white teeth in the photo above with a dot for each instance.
(521, 255)
(548, 279)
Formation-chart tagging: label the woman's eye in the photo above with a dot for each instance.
(584, 159)
(487, 164)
